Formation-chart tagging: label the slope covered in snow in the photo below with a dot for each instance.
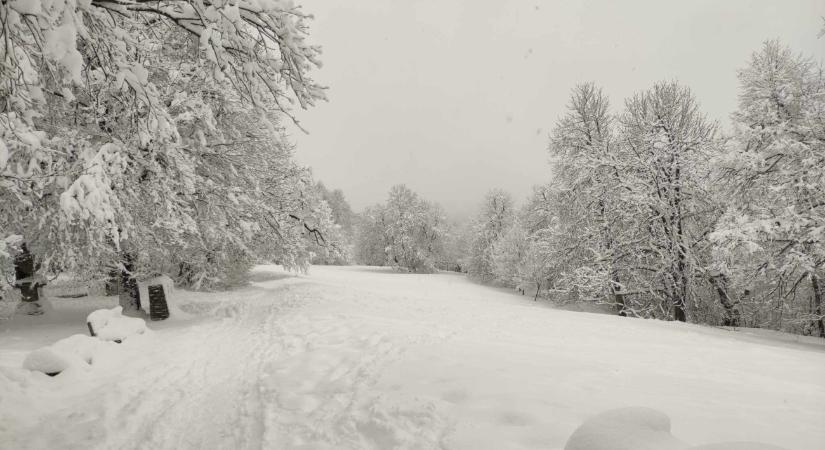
(355, 357)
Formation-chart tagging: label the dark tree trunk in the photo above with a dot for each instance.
(679, 309)
(681, 281)
(129, 295)
(25, 280)
(112, 284)
(818, 304)
(720, 284)
(618, 296)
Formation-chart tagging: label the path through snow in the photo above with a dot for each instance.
(354, 357)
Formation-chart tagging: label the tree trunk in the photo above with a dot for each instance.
(26, 281)
(681, 281)
(720, 283)
(818, 304)
(129, 295)
(679, 308)
(618, 296)
(538, 289)
(112, 284)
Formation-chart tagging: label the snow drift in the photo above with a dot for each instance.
(640, 428)
(112, 325)
(74, 352)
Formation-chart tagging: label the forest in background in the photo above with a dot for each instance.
(652, 209)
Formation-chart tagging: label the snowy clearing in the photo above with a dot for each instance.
(358, 357)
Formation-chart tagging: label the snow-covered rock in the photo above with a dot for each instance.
(48, 361)
(633, 428)
(75, 351)
(639, 428)
(112, 325)
(737, 446)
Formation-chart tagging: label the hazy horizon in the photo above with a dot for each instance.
(429, 94)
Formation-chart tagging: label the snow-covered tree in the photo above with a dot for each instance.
(407, 232)
(545, 263)
(508, 254)
(586, 180)
(103, 101)
(666, 141)
(771, 240)
(371, 240)
(344, 219)
(622, 218)
(457, 247)
(491, 222)
(415, 230)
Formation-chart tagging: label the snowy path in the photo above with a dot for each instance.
(367, 358)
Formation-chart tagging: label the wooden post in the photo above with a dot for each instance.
(158, 308)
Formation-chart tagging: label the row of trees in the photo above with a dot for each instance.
(657, 213)
(146, 137)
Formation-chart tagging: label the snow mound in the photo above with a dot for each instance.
(75, 351)
(47, 360)
(112, 325)
(639, 428)
(737, 446)
(633, 428)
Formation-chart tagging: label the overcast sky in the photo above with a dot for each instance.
(454, 97)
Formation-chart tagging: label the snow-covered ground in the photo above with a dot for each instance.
(355, 357)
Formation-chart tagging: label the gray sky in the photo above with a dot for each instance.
(454, 97)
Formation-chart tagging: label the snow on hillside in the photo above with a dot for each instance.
(356, 357)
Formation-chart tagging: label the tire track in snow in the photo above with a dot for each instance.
(320, 392)
(284, 368)
(222, 407)
(196, 394)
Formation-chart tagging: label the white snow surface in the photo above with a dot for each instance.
(639, 428)
(357, 357)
